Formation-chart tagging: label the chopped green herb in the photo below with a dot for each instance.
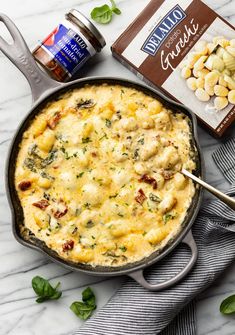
(84, 150)
(136, 154)
(122, 92)
(86, 140)
(119, 115)
(78, 211)
(90, 224)
(167, 217)
(74, 231)
(123, 248)
(121, 215)
(104, 136)
(141, 141)
(46, 196)
(80, 174)
(87, 205)
(108, 123)
(113, 196)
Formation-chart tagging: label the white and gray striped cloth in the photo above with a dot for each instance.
(135, 311)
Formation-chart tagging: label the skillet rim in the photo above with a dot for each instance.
(11, 193)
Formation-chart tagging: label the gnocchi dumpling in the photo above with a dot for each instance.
(39, 126)
(220, 91)
(202, 95)
(46, 141)
(156, 235)
(167, 203)
(220, 102)
(231, 97)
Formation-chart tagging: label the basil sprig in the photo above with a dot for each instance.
(44, 290)
(104, 14)
(228, 305)
(83, 309)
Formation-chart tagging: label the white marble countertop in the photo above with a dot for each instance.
(19, 314)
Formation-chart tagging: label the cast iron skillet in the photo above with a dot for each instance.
(44, 90)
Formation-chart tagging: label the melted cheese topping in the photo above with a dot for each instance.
(98, 175)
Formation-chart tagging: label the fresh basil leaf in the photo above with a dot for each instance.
(41, 299)
(82, 310)
(102, 14)
(42, 287)
(88, 297)
(114, 8)
(56, 295)
(117, 11)
(228, 305)
(44, 290)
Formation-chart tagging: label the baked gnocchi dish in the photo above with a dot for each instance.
(99, 178)
(209, 71)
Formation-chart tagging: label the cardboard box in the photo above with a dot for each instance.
(164, 43)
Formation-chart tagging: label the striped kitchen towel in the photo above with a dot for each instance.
(135, 311)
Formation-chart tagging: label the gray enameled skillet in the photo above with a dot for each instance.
(44, 90)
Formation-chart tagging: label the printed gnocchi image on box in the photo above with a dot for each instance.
(205, 78)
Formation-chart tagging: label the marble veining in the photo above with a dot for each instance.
(19, 314)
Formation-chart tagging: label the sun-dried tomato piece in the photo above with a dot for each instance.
(94, 154)
(68, 245)
(24, 185)
(140, 196)
(42, 204)
(58, 214)
(54, 120)
(149, 180)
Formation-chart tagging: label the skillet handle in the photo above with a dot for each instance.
(20, 55)
(139, 276)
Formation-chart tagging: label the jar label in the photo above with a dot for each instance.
(68, 48)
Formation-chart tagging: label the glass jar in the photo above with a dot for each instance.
(69, 46)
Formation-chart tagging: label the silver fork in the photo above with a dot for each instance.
(220, 195)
